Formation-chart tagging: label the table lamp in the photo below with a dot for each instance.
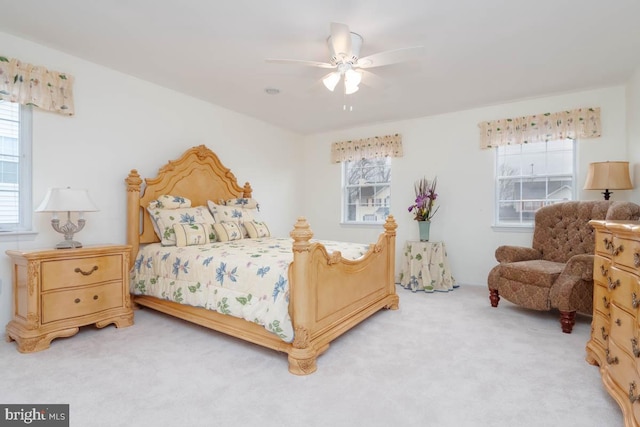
(67, 200)
(608, 176)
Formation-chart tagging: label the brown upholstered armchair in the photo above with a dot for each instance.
(557, 271)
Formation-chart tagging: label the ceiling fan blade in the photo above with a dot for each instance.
(391, 57)
(301, 62)
(340, 40)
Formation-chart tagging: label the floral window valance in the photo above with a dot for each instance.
(369, 148)
(574, 124)
(34, 85)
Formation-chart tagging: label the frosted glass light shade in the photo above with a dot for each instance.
(331, 81)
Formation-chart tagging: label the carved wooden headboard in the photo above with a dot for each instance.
(197, 175)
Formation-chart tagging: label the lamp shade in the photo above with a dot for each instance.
(331, 80)
(608, 176)
(67, 200)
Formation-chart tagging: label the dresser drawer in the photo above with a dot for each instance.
(622, 329)
(601, 299)
(604, 242)
(73, 272)
(600, 329)
(624, 290)
(622, 368)
(82, 301)
(626, 252)
(601, 267)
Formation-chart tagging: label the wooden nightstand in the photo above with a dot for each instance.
(58, 290)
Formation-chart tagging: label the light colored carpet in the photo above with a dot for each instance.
(442, 360)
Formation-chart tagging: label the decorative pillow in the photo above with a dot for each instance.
(243, 203)
(222, 213)
(164, 219)
(226, 231)
(193, 234)
(257, 229)
(170, 202)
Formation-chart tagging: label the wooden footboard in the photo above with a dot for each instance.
(330, 294)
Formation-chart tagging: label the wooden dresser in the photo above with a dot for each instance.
(56, 291)
(615, 328)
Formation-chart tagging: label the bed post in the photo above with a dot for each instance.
(133, 213)
(247, 191)
(302, 357)
(390, 234)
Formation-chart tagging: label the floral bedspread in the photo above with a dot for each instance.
(245, 278)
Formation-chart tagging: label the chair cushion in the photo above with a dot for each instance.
(536, 272)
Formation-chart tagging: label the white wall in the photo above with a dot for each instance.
(123, 123)
(633, 131)
(447, 146)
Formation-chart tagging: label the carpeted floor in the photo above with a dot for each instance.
(442, 360)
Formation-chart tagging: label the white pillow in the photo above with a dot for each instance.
(257, 229)
(222, 213)
(170, 202)
(164, 219)
(226, 231)
(193, 234)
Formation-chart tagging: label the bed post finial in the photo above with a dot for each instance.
(390, 226)
(247, 190)
(301, 234)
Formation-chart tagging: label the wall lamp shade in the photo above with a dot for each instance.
(608, 176)
(67, 200)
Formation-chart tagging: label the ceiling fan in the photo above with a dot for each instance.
(344, 48)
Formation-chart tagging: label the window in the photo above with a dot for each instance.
(529, 176)
(15, 167)
(366, 190)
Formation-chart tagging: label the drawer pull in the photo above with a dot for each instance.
(77, 300)
(608, 244)
(617, 250)
(612, 284)
(605, 303)
(612, 360)
(634, 347)
(632, 388)
(618, 322)
(95, 297)
(603, 270)
(86, 273)
(636, 259)
(634, 300)
(605, 335)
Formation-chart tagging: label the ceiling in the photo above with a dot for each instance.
(476, 52)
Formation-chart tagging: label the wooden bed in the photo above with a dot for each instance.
(328, 294)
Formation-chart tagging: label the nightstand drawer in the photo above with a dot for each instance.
(66, 273)
(79, 302)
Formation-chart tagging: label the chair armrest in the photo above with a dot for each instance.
(580, 266)
(516, 253)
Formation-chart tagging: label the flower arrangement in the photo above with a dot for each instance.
(424, 208)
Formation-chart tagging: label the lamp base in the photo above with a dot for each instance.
(68, 244)
(607, 194)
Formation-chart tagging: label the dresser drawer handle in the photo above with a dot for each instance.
(618, 322)
(605, 303)
(634, 300)
(605, 335)
(612, 284)
(603, 270)
(612, 360)
(635, 348)
(95, 297)
(636, 259)
(86, 273)
(608, 244)
(77, 300)
(633, 397)
(617, 250)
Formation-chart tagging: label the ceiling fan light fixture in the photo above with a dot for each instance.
(352, 79)
(331, 81)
